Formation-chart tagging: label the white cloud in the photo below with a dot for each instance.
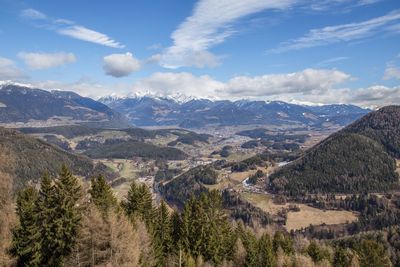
(306, 81)
(119, 65)
(70, 28)
(9, 70)
(373, 96)
(39, 61)
(391, 72)
(170, 83)
(210, 24)
(31, 13)
(342, 33)
(307, 86)
(85, 34)
(84, 87)
(309, 81)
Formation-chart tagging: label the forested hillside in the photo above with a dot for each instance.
(382, 126)
(357, 159)
(26, 158)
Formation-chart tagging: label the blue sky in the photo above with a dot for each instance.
(308, 51)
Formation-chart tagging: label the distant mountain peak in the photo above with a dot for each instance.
(176, 97)
(17, 84)
(151, 109)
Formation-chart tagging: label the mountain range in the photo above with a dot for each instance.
(162, 111)
(23, 104)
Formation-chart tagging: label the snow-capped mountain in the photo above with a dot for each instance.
(26, 105)
(151, 110)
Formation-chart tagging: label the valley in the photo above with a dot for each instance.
(311, 180)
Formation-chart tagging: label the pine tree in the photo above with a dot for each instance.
(206, 230)
(283, 241)
(316, 252)
(45, 209)
(176, 230)
(139, 203)
(373, 254)
(102, 194)
(26, 243)
(61, 216)
(266, 255)
(342, 257)
(162, 234)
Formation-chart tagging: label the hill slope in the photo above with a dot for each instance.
(23, 104)
(26, 158)
(381, 126)
(356, 159)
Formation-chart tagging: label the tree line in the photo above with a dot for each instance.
(67, 223)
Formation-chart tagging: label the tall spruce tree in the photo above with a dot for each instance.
(266, 256)
(101, 194)
(139, 203)
(60, 213)
(162, 234)
(26, 243)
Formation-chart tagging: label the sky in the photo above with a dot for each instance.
(299, 51)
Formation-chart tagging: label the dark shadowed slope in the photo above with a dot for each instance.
(23, 104)
(26, 158)
(357, 159)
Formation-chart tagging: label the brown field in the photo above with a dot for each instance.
(308, 215)
(240, 176)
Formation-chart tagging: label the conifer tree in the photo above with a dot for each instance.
(162, 234)
(266, 256)
(102, 194)
(283, 241)
(61, 215)
(139, 203)
(26, 243)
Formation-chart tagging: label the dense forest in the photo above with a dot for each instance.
(192, 182)
(65, 223)
(26, 158)
(346, 163)
(128, 149)
(381, 126)
(360, 158)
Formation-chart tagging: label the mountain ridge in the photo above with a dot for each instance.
(148, 110)
(359, 158)
(24, 104)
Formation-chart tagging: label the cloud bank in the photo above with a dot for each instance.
(38, 61)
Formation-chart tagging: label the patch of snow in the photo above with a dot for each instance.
(282, 163)
(9, 82)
